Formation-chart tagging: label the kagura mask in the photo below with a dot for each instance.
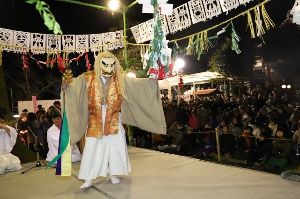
(107, 66)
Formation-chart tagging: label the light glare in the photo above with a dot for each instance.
(131, 74)
(114, 5)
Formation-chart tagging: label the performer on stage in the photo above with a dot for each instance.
(8, 137)
(93, 102)
(53, 134)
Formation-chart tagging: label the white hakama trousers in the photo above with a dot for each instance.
(107, 155)
(9, 162)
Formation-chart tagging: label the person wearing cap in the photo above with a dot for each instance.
(53, 138)
(8, 137)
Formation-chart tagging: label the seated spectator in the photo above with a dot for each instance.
(8, 137)
(176, 133)
(282, 151)
(227, 142)
(263, 150)
(53, 134)
(245, 146)
(273, 126)
(235, 127)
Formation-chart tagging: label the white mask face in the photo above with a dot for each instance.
(107, 66)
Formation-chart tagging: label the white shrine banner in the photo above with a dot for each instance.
(119, 39)
(96, 42)
(197, 11)
(37, 43)
(180, 19)
(109, 40)
(136, 33)
(21, 41)
(53, 42)
(229, 4)
(68, 43)
(6, 38)
(244, 1)
(212, 8)
(82, 43)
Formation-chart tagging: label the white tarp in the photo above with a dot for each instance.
(29, 104)
(197, 78)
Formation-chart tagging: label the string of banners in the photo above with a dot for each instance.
(37, 43)
(182, 17)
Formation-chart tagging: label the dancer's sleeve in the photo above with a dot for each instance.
(142, 106)
(75, 117)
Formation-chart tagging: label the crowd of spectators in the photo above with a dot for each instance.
(260, 128)
(32, 127)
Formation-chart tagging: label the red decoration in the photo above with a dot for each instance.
(60, 63)
(171, 66)
(180, 84)
(87, 62)
(161, 72)
(25, 61)
(153, 73)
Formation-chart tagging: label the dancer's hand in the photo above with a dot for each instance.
(64, 86)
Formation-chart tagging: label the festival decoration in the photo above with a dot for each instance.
(250, 24)
(68, 43)
(21, 41)
(296, 12)
(53, 43)
(37, 43)
(245, 1)
(6, 38)
(197, 11)
(180, 19)
(67, 76)
(87, 62)
(212, 8)
(159, 55)
(25, 61)
(229, 4)
(82, 43)
(235, 39)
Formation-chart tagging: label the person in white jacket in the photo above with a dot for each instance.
(8, 137)
(53, 134)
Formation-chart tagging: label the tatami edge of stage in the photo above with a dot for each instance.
(155, 175)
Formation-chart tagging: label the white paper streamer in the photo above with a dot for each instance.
(68, 42)
(6, 38)
(82, 43)
(212, 8)
(53, 42)
(21, 41)
(245, 1)
(37, 43)
(229, 4)
(96, 42)
(197, 11)
(180, 19)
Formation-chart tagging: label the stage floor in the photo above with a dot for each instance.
(154, 175)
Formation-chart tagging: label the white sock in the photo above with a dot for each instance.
(86, 184)
(114, 180)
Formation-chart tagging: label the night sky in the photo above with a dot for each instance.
(281, 47)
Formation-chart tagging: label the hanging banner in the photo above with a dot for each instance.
(37, 43)
(197, 11)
